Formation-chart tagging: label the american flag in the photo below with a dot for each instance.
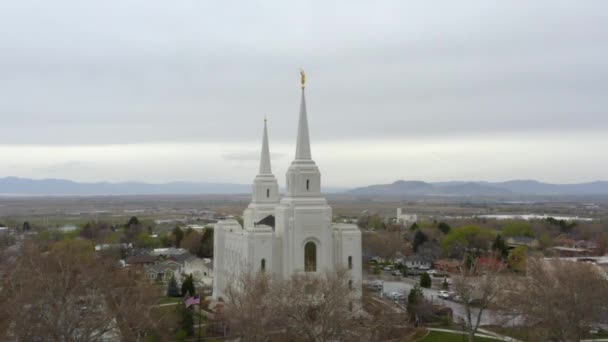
(192, 301)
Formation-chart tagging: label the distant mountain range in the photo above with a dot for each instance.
(15, 186)
(515, 187)
(61, 187)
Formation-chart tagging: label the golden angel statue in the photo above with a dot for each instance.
(303, 77)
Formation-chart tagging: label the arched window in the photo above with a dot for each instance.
(310, 257)
(267, 193)
(307, 184)
(263, 265)
(350, 262)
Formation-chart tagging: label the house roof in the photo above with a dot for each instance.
(169, 251)
(181, 258)
(141, 259)
(163, 267)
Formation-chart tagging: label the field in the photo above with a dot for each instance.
(58, 211)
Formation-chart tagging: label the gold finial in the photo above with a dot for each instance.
(302, 77)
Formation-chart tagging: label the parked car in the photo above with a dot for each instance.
(388, 268)
(424, 268)
(396, 273)
(443, 294)
(377, 285)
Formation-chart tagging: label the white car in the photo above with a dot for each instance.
(443, 294)
(424, 268)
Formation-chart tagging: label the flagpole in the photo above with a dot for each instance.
(199, 318)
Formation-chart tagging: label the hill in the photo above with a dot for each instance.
(515, 187)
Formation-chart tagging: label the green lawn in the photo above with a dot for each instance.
(439, 336)
(167, 300)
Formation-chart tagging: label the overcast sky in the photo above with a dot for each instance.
(177, 90)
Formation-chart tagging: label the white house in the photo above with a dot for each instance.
(290, 233)
(406, 219)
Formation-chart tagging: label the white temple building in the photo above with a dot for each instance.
(289, 233)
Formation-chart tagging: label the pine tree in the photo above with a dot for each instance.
(444, 227)
(414, 298)
(188, 286)
(499, 246)
(186, 320)
(419, 239)
(172, 289)
(425, 280)
(178, 233)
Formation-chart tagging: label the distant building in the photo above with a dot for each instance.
(415, 261)
(514, 241)
(570, 251)
(67, 228)
(406, 219)
(169, 251)
(197, 227)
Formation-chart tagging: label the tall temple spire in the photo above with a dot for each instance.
(303, 142)
(265, 157)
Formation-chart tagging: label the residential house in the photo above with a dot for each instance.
(201, 269)
(515, 241)
(163, 271)
(171, 251)
(141, 260)
(570, 251)
(415, 261)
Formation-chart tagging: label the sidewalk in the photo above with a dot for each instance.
(484, 333)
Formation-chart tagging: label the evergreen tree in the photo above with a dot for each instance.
(419, 239)
(500, 247)
(133, 221)
(188, 286)
(26, 226)
(425, 280)
(444, 227)
(172, 289)
(414, 298)
(414, 226)
(206, 248)
(178, 233)
(186, 320)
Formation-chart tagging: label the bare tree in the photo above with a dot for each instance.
(384, 244)
(316, 307)
(69, 294)
(248, 308)
(562, 299)
(478, 286)
(305, 307)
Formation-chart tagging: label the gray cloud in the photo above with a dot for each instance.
(138, 71)
(249, 156)
(152, 72)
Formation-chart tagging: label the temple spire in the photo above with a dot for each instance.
(265, 157)
(303, 142)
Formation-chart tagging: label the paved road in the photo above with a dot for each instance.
(458, 310)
